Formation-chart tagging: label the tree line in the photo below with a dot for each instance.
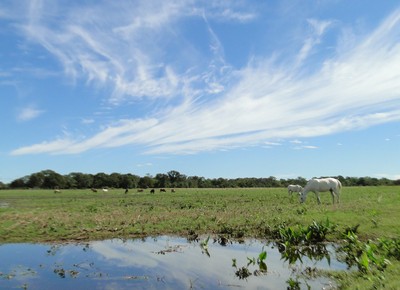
(49, 179)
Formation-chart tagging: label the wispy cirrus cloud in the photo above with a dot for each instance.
(319, 27)
(127, 45)
(269, 98)
(28, 113)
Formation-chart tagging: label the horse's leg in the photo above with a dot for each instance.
(333, 195)
(317, 195)
(337, 192)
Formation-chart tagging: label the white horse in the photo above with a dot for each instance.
(320, 185)
(294, 188)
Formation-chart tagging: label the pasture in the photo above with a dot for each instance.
(45, 216)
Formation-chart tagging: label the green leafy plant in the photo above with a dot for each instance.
(317, 231)
(390, 247)
(204, 246)
(294, 243)
(261, 261)
(244, 272)
(365, 256)
(293, 284)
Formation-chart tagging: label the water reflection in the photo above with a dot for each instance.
(295, 253)
(152, 263)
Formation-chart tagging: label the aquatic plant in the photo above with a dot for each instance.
(365, 256)
(317, 231)
(390, 247)
(244, 272)
(296, 242)
(204, 246)
(293, 284)
(261, 260)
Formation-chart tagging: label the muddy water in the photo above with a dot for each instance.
(152, 263)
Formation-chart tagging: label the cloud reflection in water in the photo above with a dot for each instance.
(152, 263)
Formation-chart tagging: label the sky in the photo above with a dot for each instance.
(207, 88)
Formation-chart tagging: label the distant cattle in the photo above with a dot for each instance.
(162, 190)
(140, 190)
(126, 190)
(172, 189)
(57, 191)
(105, 190)
(152, 190)
(93, 189)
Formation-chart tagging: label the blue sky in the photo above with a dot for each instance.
(208, 88)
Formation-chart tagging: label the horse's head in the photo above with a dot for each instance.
(302, 197)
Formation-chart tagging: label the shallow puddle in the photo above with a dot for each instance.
(154, 263)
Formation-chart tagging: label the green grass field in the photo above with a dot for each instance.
(42, 215)
(81, 215)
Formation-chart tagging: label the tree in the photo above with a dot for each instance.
(100, 180)
(220, 183)
(194, 181)
(129, 181)
(53, 179)
(114, 180)
(272, 182)
(162, 180)
(81, 180)
(18, 183)
(36, 180)
(176, 179)
(146, 181)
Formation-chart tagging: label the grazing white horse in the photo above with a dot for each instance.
(294, 188)
(320, 185)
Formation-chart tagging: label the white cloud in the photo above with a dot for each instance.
(272, 143)
(44, 147)
(268, 99)
(388, 176)
(319, 28)
(87, 121)
(301, 147)
(309, 147)
(144, 164)
(125, 45)
(296, 141)
(28, 113)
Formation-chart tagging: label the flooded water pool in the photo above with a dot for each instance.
(154, 263)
